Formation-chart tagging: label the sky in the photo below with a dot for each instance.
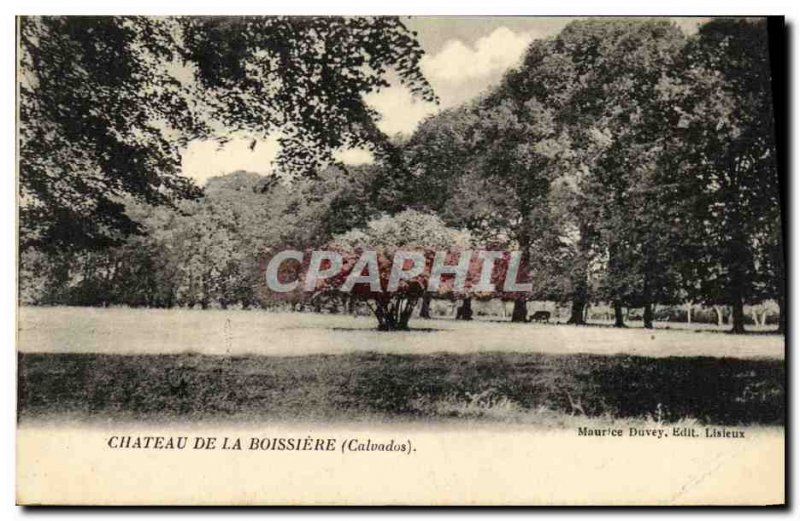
(464, 56)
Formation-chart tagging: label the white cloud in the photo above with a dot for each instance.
(458, 72)
(400, 110)
(204, 159)
(354, 156)
(488, 58)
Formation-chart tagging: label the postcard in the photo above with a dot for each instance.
(369, 260)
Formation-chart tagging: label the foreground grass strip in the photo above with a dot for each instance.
(516, 387)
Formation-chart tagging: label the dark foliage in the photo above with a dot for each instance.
(106, 103)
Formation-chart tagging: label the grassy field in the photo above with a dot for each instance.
(140, 365)
(513, 387)
(139, 331)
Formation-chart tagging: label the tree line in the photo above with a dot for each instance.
(633, 165)
(629, 163)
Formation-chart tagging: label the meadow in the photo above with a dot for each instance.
(163, 365)
(238, 332)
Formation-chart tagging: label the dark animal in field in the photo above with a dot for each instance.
(540, 316)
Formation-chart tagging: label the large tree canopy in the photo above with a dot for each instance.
(617, 120)
(633, 164)
(106, 103)
(724, 146)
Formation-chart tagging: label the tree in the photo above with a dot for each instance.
(726, 148)
(409, 230)
(564, 219)
(338, 199)
(521, 150)
(207, 251)
(618, 120)
(107, 103)
(410, 242)
(439, 155)
(489, 165)
(611, 113)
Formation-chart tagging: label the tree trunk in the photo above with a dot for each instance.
(619, 318)
(738, 274)
(576, 314)
(425, 309)
(781, 315)
(382, 314)
(405, 310)
(395, 314)
(737, 293)
(689, 313)
(464, 311)
(648, 316)
(738, 317)
(520, 313)
(718, 309)
(580, 277)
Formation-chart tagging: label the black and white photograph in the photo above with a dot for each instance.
(468, 258)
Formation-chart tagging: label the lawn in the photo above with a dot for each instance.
(511, 387)
(141, 365)
(217, 332)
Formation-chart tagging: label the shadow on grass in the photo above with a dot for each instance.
(376, 330)
(498, 386)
